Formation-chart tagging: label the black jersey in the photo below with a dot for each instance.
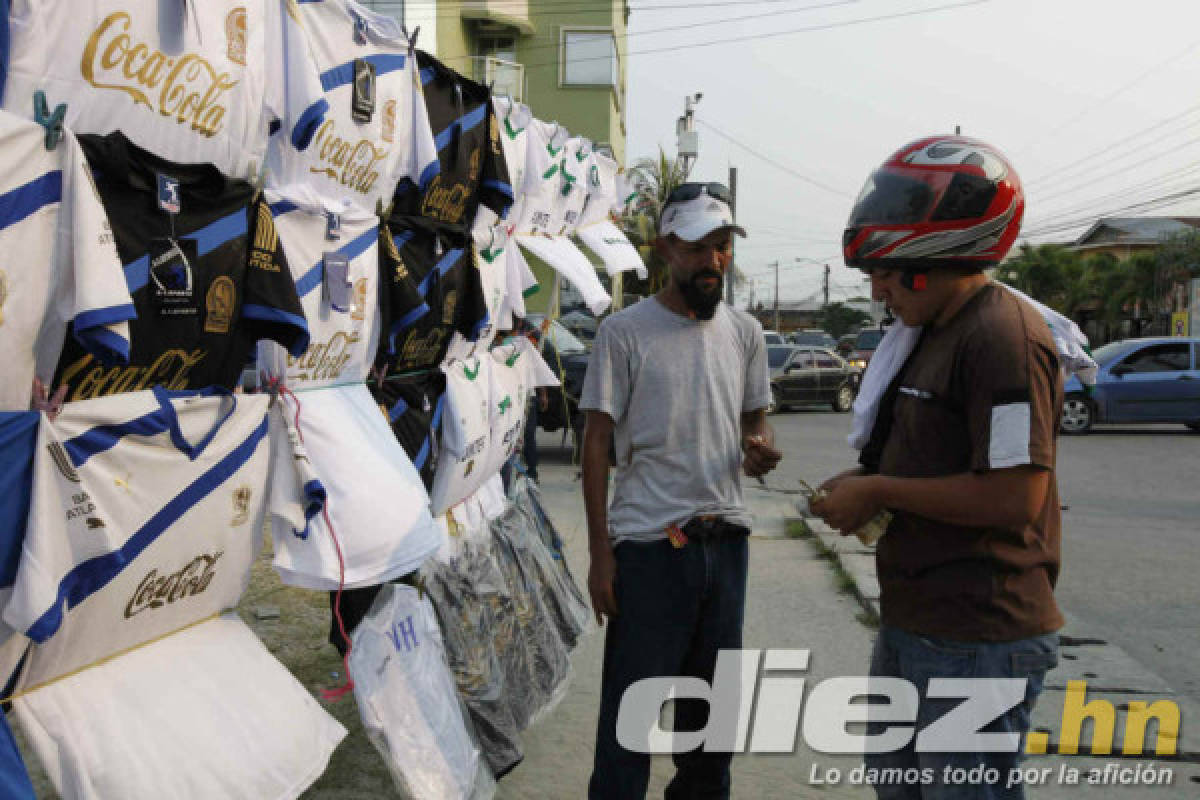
(413, 405)
(467, 136)
(207, 281)
(441, 262)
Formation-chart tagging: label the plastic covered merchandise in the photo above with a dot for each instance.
(408, 704)
(568, 609)
(465, 620)
(549, 659)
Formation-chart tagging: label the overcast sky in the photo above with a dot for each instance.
(1096, 102)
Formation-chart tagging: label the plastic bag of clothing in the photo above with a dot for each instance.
(465, 619)
(408, 702)
(550, 663)
(492, 586)
(569, 610)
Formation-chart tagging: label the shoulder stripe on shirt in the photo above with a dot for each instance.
(352, 250)
(104, 437)
(343, 74)
(94, 574)
(443, 266)
(207, 239)
(466, 122)
(21, 202)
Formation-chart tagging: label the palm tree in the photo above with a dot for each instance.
(654, 180)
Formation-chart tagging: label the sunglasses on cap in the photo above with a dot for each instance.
(690, 191)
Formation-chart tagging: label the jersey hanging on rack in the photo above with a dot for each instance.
(208, 280)
(466, 451)
(335, 262)
(576, 165)
(413, 406)
(517, 369)
(376, 130)
(146, 513)
(440, 260)
(596, 228)
(512, 119)
(62, 267)
(375, 500)
(472, 169)
(196, 81)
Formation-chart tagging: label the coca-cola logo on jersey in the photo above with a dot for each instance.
(185, 87)
(353, 164)
(156, 591)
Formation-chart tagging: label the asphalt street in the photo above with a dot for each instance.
(1130, 530)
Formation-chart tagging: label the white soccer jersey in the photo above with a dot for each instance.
(522, 283)
(343, 321)
(575, 166)
(601, 185)
(596, 229)
(62, 266)
(359, 157)
(568, 261)
(206, 712)
(465, 454)
(146, 514)
(408, 701)
(513, 119)
(190, 82)
(517, 369)
(374, 497)
(544, 184)
(608, 242)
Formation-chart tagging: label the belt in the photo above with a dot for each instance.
(713, 527)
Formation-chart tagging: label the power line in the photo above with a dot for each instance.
(1125, 169)
(1107, 98)
(1172, 177)
(1105, 149)
(772, 34)
(1145, 205)
(518, 9)
(757, 154)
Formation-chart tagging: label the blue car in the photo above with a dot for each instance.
(1139, 380)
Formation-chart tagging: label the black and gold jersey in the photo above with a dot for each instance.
(204, 266)
(467, 136)
(440, 262)
(413, 405)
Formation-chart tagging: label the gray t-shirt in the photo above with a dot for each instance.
(676, 389)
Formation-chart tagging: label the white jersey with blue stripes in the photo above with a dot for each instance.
(146, 513)
(62, 269)
(360, 159)
(190, 82)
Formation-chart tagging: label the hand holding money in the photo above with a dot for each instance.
(868, 532)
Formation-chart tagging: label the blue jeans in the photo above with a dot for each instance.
(676, 608)
(915, 658)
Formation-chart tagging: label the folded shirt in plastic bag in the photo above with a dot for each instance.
(408, 701)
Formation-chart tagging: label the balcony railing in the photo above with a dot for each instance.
(503, 76)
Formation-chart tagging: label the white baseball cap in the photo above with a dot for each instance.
(694, 210)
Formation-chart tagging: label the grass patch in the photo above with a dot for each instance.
(797, 529)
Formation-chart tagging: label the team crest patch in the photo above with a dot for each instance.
(63, 461)
(235, 36)
(241, 505)
(3, 293)
(360, 299)
(388, 134)
(219, 303)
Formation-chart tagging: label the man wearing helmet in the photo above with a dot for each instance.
(681, 380)
(962, 450)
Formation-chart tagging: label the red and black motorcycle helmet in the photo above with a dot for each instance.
(942, 201)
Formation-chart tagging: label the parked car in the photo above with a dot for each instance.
(865, 344)
(813, 338)
(845, 344)
(810, 376)
(1139, 380)
(773, 338)
(568, 358)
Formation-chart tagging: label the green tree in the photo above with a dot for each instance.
(838, 318)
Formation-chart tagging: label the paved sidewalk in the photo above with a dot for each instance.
(1111, 674)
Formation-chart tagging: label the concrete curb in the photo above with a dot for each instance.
(852, 557)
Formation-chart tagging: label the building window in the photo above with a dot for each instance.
(588, 57)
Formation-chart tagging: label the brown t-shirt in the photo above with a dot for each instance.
(982, 392)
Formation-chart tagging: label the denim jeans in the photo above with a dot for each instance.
(917, 658)
(676, 608)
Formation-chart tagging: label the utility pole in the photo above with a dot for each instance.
(687, 141)
(732, 238)
(775, 264)
(826, 284)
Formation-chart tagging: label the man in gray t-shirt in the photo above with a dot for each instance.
(680, 381)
